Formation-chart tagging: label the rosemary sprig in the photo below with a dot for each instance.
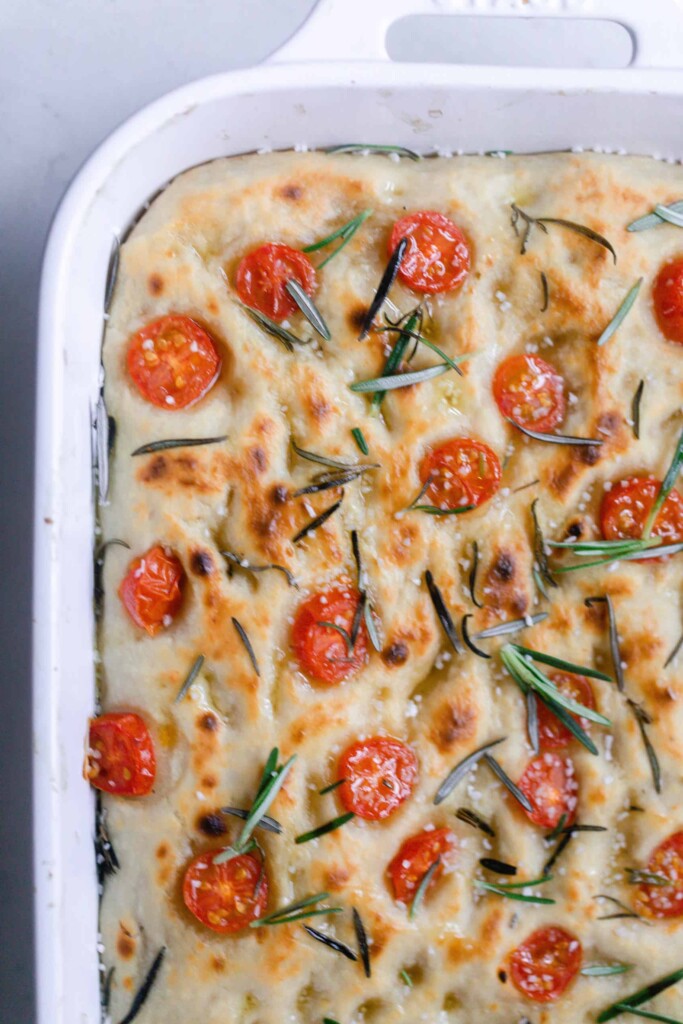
(360, 440)
(621, 313)
(408, 332)
(332, 786)
(177, 442)
(643, 718)
(363, 147)
(624, 911)
(289, 340)
(272, 781)
(647, 1014)
(613, 637)
(557, 852)
(190, 678)
(462, 768)
(670, 215)
(546, 292)
(580, 229)
(242, 634)
(558, 830)
(317, 521)
(335, 944)
(400, 380)
(297, 910)
(473, 575)
(385, 284)
(514, 790)
(308, 308)
(362, 940)
(442, 613)
(346, 636)
(344, 233)
(322, 460)
(406, 328)
(267, 823)
(657, 218)
(434, 510)
(635, 409)
(468, 640)
(604, 970)
(510, 890)
(640, 548)
(540, 553)
(674, 652)
(511, 626)
(242, 563)
(142, 993)
(638, 877)
(472, 818)
(665, 490)
(331, 479)
(555, 438)
(499, 866)
(419, 896)
(322, 830)
(532, 720)
(641, 996)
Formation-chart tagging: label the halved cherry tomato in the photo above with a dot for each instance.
(173, 362)
(151, 589)
(322, 652)
(545, 964)
(667, 296)
(626, 506)
(437, 258)
(263, 274)
(530, 391)
(415, 858)
(552, 734)
(121, 756)
(549, 784)
(226, 897)
(667, 860)
(462, 471)
(379, 774)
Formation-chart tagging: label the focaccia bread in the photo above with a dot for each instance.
(441, 945)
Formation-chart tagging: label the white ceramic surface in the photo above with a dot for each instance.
(277, 104)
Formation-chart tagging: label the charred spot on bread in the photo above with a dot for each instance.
(395, 653)
(201, 563)
(212, 824)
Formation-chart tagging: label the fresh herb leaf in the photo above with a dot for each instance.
(635, 409)
(647, 1014)
(362, 940)
(665, 490)
(332, 786)
(407, 332)
(532, 720)
(146, 987)
(297, 910)
(419, 896)
(473, 819)
(674, 652)
(569, 666)
(555, 438)
(499, 890)
(669, 214)
(406, 978)
(643, 719)
(641, 996)
(511, 626)
(338, 947)
(442, 613)
(468, 640)
(624, 911)
(332, 479)
(526, 674)
(638, 877)
(621, 313)
(540, 554)
(393, 361)
(541, 222)
(614, 551)
(308, 308)
(366, 147)
(267, 823)
(499, 866)
(288, 339)
(434, 510)
(322, 830)
(462, 768)
(242, 633)
(558, 830)
(604, 970)
(190, 677)
(557, 852)
(400, 380)
(613, 637)
(655, 220)
(323, 460)
(271, 783)
(546, 292)
(318, 521)
(385, 284)
(360, 440)
(177, 442)
(514, 790)
(473, 575)
(342, 632)
(345, 233)
(570, 723)
(249, 567)
(98, 569)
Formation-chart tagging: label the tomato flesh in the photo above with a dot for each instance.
(552, 734)
(121, 758)
(173, 362)
(664, 901)
(545, 964)
(226, 897)
(379, 774)
(437, 258)
(461, 472)
(626, 506)
(549, 784)
(530, 391)
(415, 858)
(322, 651)
(151, 590)
(667, 298)
(263, 274)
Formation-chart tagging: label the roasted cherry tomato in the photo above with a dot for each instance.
(549, 784)
(437, 258)
(226, 897)
(552, 734)
(626, 506)
(173, 362)
(530, 392)
(666, 860)
(461, 471)
(121, 757)
(323, 652)
(263, 274)
(151, 589)
(667, 296)
(379, 774)
(545, 964)
(415, 858)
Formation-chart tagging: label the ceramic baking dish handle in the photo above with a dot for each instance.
(354, 30)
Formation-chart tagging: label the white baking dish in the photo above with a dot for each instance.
(355, 95)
